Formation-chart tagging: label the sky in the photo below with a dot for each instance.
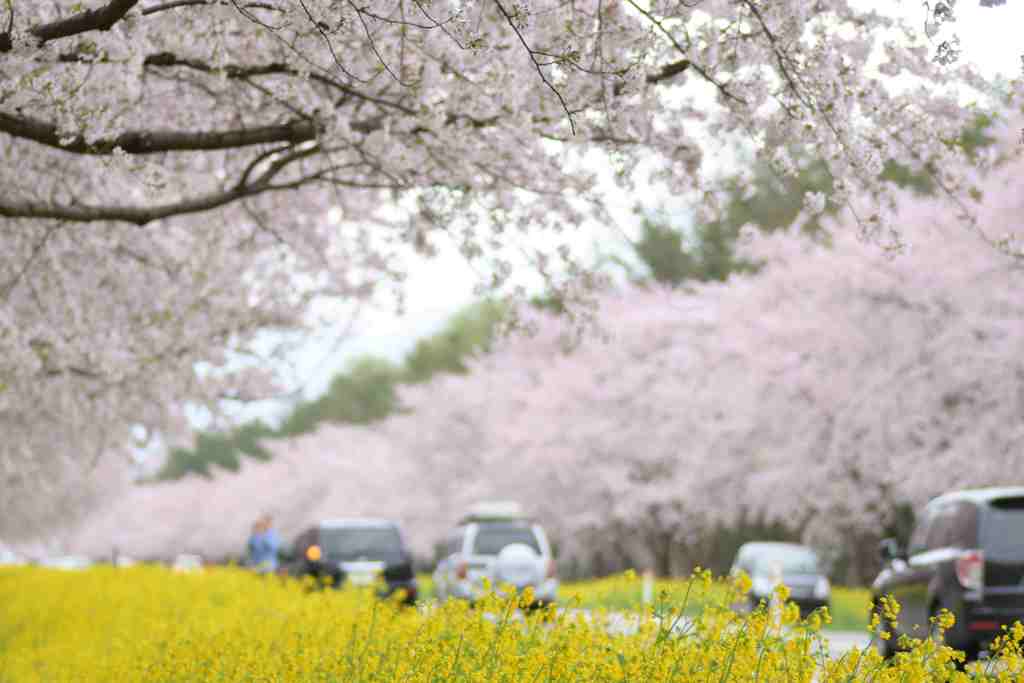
(991, 38)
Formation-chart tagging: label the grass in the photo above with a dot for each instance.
(850, 608)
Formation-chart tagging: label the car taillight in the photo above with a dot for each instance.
(461, 570)
(970, 569)
(552, 569)
(313, 553)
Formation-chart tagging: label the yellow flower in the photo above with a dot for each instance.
(743, 583)
(944, 619)
(890, 608)
(146, 623)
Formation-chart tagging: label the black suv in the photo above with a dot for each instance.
(966, 554)
(356, 552)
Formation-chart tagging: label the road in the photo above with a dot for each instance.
(839, 642)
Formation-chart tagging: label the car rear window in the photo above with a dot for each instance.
(492, 538)
(1002, 530)
(381, 544)
(793, 561)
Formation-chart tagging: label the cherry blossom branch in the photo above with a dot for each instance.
(778, 53)
(373, 46)
(5, 37)
(669, 70)
(154, 141)
(137, 215)
(141, 215)
(397, 22)
(679, 48)
(256, 161)
(192, 3)
(242, 71)
(441, 25)
(533, 58)
(327, 41)
(167, 59)
(87, 20)
(36, 249)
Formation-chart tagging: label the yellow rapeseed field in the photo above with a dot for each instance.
(151, 624)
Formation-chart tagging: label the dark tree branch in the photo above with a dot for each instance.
(244, 71)
(141, 215)
(256, 161)
(87, 20)
(5, 37)
(192, 3)
(319, 26)
(137, 215)
(663, 74)
(679, 48)
(154, 141)
(510, 20)
(668, 71)
(778, 54)
(13, 282)
(373, 46)
(71, 370)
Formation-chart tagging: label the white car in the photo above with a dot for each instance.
(66, 562)
(498, 543)
(187, 563)
(797, 566)
(9, 559)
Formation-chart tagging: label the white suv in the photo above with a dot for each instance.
(498, 543)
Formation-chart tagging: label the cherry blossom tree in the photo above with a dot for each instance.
(311, 478)
(169, 165)
(835, 384)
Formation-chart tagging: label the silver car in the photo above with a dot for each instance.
(797, 566)
(499, 545)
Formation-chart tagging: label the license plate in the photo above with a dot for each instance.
(362, 578)
(361, 573)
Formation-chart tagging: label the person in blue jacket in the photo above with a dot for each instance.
(263, 546)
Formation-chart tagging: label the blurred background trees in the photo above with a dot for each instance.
(672, 254)
(363, 393)
(748, 380)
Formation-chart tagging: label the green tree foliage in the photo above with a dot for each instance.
(471, 331)
(362, 394)
(707, 252)
(972, 140)
(217, 449)
(366, 391)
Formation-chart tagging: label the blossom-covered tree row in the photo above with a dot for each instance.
(833, 385)
(169, 167)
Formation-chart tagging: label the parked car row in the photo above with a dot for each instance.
(494, 543)
(965, 555)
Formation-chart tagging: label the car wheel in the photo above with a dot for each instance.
(886, 648)
(971, 649)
